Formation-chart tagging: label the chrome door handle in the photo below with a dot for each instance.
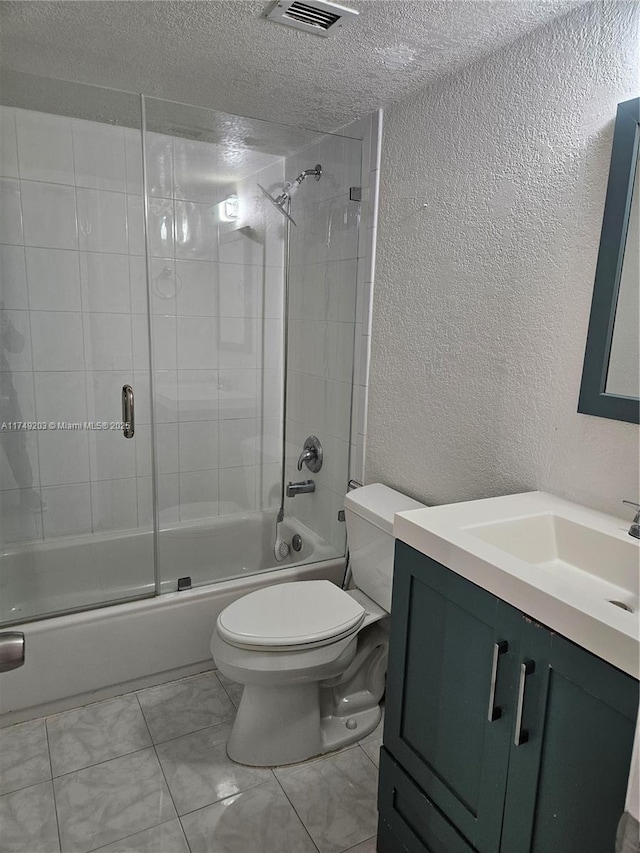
(11, 650)
(500, 648)
(128, 415)
(521, 735)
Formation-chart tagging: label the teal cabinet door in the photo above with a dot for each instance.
(450, 693)
(571, 748)
(408, 820)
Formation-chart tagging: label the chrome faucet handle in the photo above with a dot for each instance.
(305, 456)
(634, 530)
(311, 455)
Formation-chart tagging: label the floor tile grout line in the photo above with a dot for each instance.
(146, 724)
(184, 835)
(151, 744)
(155, 752)
(142, 749)
(135, 693)
(53, 787)
(175, 681)
(118, 840)
(178, 815)
(195, 731)
(55, 808)
(184, 677)
(259, 785)
(368, 756)
(296, 813)
(364, 841)
(166, 782)
(227, 797)
(46, 717)
(317, 760)
(104, 761)
(215, 672)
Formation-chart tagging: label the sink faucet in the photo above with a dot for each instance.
(634, 530)
(302, 488)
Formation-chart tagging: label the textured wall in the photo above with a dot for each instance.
(492, 192)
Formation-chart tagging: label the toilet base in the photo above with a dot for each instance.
(338, 732)
(298, 733)
(287, 733)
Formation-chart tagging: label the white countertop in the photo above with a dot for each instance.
(569, 601)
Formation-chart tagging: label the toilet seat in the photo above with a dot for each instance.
(291, 616)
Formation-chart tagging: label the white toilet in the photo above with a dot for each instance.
(312, 657)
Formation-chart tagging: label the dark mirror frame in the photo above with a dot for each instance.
(593, 398)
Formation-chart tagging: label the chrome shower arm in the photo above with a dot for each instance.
(308, 173)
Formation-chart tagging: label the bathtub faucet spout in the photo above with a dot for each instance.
(302, 488)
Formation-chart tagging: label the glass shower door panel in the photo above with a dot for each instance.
(75, 509)
(216, 279)
(323, 281)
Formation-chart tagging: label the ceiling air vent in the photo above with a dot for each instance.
(316, 17)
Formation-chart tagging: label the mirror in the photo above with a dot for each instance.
(623, 376)
(611, 374)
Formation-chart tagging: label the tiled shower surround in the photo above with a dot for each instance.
(147, 772)
(75, 329)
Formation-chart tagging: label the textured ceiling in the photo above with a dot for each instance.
(223, 54)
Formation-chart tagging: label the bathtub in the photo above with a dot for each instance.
(93, 654)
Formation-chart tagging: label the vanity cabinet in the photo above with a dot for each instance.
(500, 735)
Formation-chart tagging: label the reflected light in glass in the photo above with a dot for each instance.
(229, 209)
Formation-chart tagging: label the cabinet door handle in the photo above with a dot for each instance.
(527, 667)
(128, 416)
(499, 649)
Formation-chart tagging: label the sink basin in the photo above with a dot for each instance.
(556, 544)
(571, 568)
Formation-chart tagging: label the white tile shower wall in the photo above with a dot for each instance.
(74, 329)
(329, 311)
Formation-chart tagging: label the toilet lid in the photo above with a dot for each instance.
(290, 614)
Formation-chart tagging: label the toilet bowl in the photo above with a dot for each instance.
(311, 656)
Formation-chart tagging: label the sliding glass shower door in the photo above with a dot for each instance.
(149, 293)
(76, 517)
(219, 272)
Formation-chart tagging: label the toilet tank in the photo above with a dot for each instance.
(369, 513)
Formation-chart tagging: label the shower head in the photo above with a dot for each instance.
(290, 189)
(278, 203)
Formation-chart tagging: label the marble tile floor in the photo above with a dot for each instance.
(147, 772)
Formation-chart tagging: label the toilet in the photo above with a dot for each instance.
(311, 656)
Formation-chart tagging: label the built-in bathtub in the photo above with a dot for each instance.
(92, 654)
